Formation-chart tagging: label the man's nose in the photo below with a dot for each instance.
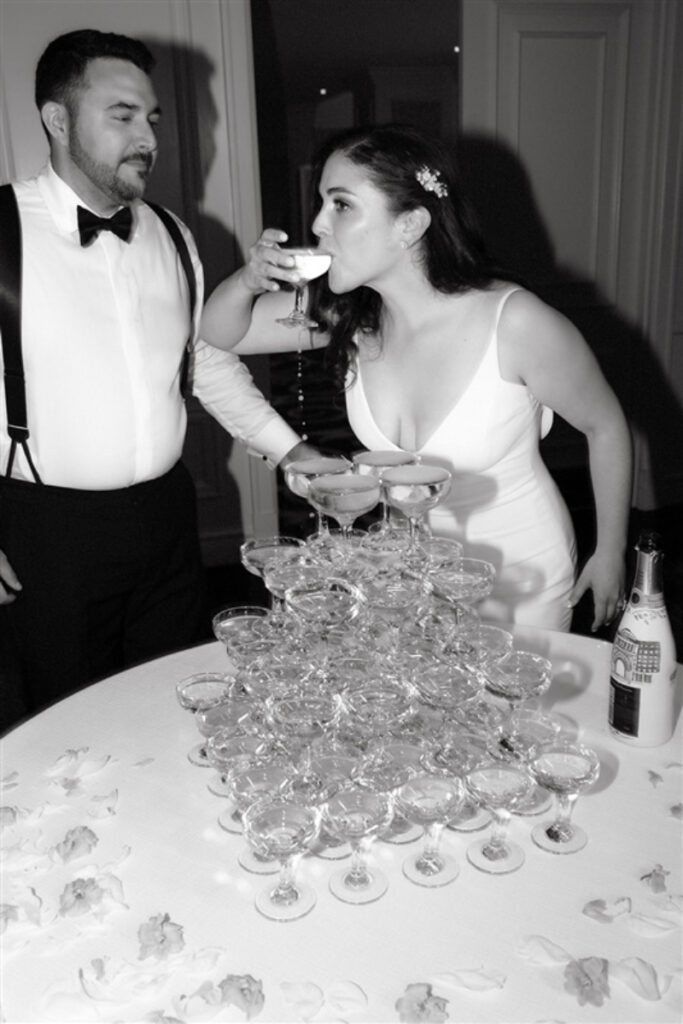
(147, 139)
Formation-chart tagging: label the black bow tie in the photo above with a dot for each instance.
(90, 225)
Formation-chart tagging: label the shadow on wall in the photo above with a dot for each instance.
(501, 193)
(183, 79)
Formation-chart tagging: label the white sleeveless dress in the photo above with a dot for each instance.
(503, 505)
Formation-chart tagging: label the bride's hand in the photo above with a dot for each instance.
(268, 265)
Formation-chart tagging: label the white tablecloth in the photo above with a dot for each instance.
(112, 760)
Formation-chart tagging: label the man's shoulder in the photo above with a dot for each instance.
(155, 213)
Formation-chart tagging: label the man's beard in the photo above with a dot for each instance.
(106, 178)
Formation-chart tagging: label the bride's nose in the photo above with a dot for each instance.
(319, 227)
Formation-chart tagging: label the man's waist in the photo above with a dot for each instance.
(29, 491)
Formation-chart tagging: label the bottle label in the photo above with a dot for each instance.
(624, 708)
(634, 660)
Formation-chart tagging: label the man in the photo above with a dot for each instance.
(99, 554)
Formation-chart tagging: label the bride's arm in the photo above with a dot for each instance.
(241, 313)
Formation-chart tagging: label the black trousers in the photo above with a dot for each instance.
(110, 578)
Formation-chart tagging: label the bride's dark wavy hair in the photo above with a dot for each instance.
(452, 249)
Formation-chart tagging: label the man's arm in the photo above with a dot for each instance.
(225, 387)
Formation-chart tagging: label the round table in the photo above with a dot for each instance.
(123, 899)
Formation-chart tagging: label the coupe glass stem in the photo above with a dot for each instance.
(285, 892)
(298, 301)
(496, 848)
(358, 876)
(561, 829)
(430, 860)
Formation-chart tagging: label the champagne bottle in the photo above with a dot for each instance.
(643, 667)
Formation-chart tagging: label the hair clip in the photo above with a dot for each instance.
(431, 182)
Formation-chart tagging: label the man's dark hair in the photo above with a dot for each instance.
(63, 65)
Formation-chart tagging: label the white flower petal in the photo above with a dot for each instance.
(345, 997)
(304, 997)
(641, 977)
(479, 980)
(650, 926)
(539, 950)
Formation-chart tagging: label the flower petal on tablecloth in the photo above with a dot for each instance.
(650, 926)
(542, 951)
(605, 911)
(26, 855)
(103, 806)
(345, 998)
(305, 998)
(9, 781)
(656, 879)
(478, 980)
(641, 977)
(77, 764)
(671, 902)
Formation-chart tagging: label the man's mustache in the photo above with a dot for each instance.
(145, 158)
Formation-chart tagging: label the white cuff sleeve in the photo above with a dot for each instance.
(226, 389)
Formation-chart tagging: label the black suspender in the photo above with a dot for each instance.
(10, 324)
(184, 254)
(10, 317)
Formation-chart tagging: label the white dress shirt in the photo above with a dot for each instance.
(103, 331)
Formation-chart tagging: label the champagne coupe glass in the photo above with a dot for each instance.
(344, 496)
(281, 572)
(566, 769)
(491, 643)
(374, 463)
(200, 692)
(518, 677)
(386, 766)
(280, 828)
(249, 782)
(498, 787)
(518, 741)
(299, 719)
(414, 490)
(237, 621)
(334, 762)
(431, 800)
(439, 553)
(456, 753)
(255, 552)
(372, 711)
(235, 713)
(447, 685)
(300, 473)
(226, 750)
(325, 606)
(393, 601)
(356, 814)
(465, 583)
(309, 264)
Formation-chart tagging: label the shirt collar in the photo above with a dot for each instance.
(62, 201)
